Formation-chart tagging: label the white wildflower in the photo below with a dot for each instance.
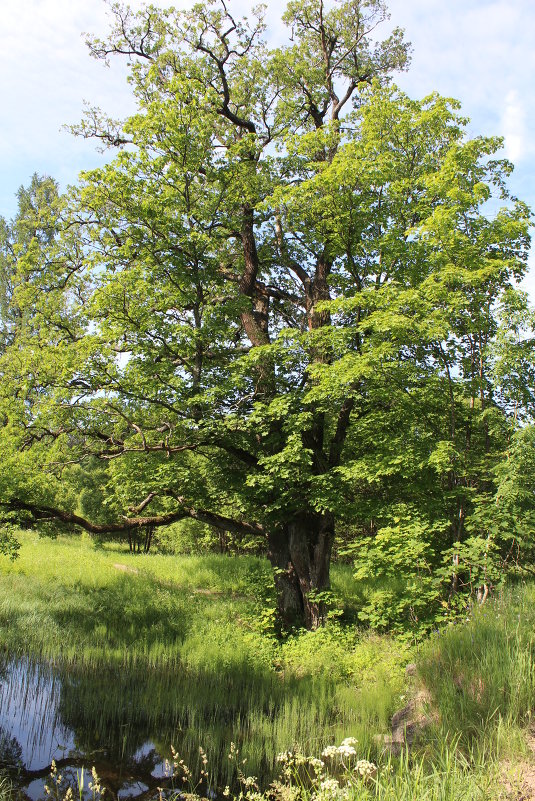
(330, 785)
(366, 769)
(349, 741)
(330, 751)
(346, 750)
(330, 790)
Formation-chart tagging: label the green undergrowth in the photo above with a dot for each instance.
(481, 673)
(340, 773)
(180, 650)
(176, 650)
(66, 599)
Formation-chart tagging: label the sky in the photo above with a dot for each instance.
(478, 51)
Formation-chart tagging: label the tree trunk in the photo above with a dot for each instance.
(289, 598)
(149, 531)
(300, 554)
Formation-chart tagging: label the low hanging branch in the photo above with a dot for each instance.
(40, 512)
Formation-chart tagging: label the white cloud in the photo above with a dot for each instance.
(514, 126)
(481, 52)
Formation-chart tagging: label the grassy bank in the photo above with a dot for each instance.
(481, 674)
(180, 650)
(67, 599)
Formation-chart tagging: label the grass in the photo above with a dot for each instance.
(6, 789)
(170, 649)
(482, 674)
(65, 599)
(448, 777)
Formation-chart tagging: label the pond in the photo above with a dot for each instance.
(123, 721)
(47, 714)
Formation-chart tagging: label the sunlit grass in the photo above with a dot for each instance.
(6, 789)
(64, 598)
(482, 673)
(170, 649)
(447, 776)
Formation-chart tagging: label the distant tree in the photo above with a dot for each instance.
(24, 239)
(25, 245)
(273, 309)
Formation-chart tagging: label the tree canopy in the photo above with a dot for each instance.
(286, 302)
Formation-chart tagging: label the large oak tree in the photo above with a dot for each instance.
(286, 261)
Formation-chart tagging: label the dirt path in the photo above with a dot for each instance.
(519, 777)
(125, 568)
(195, 590)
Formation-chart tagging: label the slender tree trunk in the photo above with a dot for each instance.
(149, 531)
(223, 542)
(301, 557)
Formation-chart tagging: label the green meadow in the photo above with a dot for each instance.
(175, 648)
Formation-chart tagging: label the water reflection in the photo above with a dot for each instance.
(47, 714)
(10, 752)
(124, 721)
(32, 733)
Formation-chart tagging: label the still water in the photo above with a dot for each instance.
(43, 718)
(124, 720)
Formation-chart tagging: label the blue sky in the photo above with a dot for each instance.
(479, 51)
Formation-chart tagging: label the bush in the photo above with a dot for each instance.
(187, 537)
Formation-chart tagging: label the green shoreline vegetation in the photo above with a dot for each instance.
(193, 621)
(196, 617)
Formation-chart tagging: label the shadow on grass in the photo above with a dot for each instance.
(143, 661)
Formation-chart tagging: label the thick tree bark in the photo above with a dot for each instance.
(300, 554)
(289, 597)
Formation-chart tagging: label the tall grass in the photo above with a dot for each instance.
(482, 673)
(6, 789)
(447, 777)
(168, 649)
(65, 599)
